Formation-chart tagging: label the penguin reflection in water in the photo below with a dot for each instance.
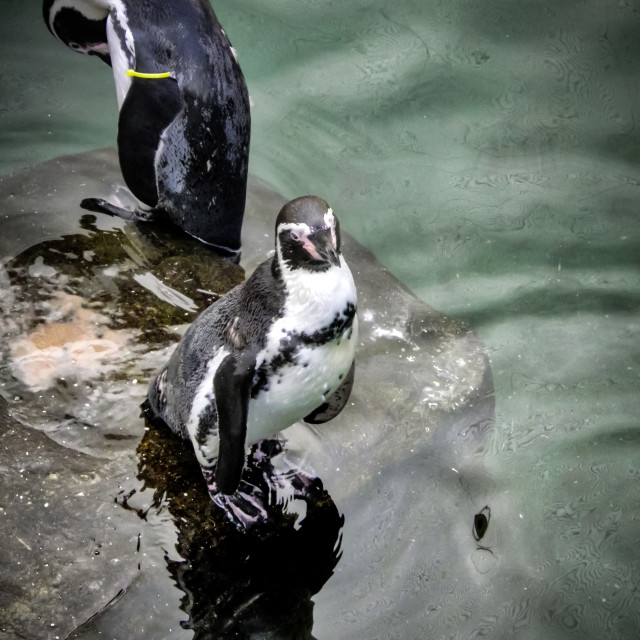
(184, 123)
(276, 349)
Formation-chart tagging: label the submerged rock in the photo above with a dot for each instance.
(91, 306)
(67, 548)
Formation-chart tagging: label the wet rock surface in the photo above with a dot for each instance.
(108, 528)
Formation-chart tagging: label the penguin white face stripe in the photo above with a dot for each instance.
(92, 10)
(120, 64)
(330, 221)
(299, 227)
(122, 50)
(119, 16)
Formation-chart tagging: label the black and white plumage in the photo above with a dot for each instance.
(183, 140)
(276, 349)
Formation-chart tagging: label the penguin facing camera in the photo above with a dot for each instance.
(276, 349)
(184, 122)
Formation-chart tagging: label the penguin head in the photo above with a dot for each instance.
(80, 24)
(308, 235)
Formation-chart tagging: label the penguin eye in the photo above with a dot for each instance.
(295, 236)
(74, 45)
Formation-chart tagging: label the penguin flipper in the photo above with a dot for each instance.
(336, 402)
(149, 108)
(232, 389)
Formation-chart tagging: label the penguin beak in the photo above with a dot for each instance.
(105, 57)
(324, 247)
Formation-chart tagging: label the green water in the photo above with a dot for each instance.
(488, 154)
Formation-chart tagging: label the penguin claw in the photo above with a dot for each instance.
(243, 510)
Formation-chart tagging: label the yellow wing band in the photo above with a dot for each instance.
(137, 74)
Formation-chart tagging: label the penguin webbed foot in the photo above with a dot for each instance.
(261, 488)
(245, 507)
(100, 205)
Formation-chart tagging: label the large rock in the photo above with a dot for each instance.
(108, 529)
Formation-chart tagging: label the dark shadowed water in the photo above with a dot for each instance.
(487, 154)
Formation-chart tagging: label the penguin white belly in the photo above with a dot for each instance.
(296, 390)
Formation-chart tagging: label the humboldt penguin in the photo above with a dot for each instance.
(276, 349)
(184, 122)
